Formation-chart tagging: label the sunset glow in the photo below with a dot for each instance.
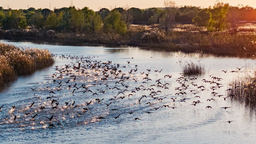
(97, 4)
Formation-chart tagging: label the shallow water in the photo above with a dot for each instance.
(182, 122)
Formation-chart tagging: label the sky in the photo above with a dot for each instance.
(110, 4)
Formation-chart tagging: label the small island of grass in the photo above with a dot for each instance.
(15, 61)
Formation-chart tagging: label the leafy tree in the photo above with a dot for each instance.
(52, 21)
(167, 20)
(15, 19)
(127, 16)
(46, 13)
(186, 13)
(218, 14)
(37, 20)
(31, 9)
(114, 23)
(233, 17)
(154, 19)
(202, 18)
(120, 10)
(136, 14)
(95, 22)
(148, 13)
(76, 21)
(103, 13)
(2, 15)
(88, 16)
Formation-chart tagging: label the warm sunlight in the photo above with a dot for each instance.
(128, 71)
(97, 4)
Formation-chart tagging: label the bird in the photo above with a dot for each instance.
(225, 107)
(117, 116)
(51, 125)
(1, 107)
(240, 68)
(50, 119)
(208, 107)
(137, 118)
(149, 112)
(108, 104)
(52, 92)
(34, 115)
(197, 96)
(33, 89)
(32, 104)
(229, 121)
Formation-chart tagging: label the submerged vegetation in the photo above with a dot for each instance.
(192, 69)
(16, 61)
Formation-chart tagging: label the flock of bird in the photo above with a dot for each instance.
(87, 91)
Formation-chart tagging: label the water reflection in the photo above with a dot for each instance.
(116, 50)
(184, 123)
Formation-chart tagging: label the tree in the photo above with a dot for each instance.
(113, 23)
(37, 20)
(233, 17)
(167, 20)
(103, 13)
(52, 21)
(136, 14)
(95, 22)
(202, 18)
(218, 14)
(127, 15)
(76, 21)
(15, 19)
(88, 16)
(2, 15)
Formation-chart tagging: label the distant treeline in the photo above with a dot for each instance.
(71, 19)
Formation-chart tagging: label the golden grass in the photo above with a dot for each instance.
(16, 61)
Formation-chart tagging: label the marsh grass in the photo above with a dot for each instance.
(16, 61)
(188, 39)
(244, 91)
(192, 69)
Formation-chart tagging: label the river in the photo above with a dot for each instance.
(169, 116)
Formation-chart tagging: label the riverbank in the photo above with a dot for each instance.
(242, 44)
(15, 61)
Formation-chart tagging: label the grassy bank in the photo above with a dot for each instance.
(242, 44)
(16, 61)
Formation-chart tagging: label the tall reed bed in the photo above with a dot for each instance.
(15, 61)
(192, 69)
(244, 91)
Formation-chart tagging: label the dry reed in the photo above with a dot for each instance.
(191, 69)
(244, 91)
(16, 61)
